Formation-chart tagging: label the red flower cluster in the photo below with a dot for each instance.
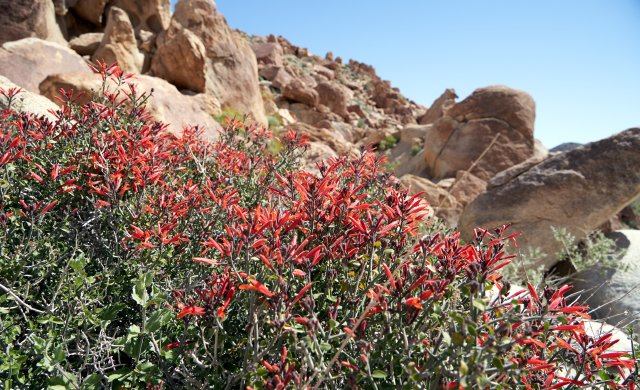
(282, 278)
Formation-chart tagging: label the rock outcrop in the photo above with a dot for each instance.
(29, 18)
(119, 43)
(181, 59)
(465, 136)
(439, 107)
(29, 61)
(233, 74)
(167, 104)
(579, 190)
(147, 15)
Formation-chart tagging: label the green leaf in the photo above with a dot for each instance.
(478, 303)
(92, 380)
(158, 318)
(378, 374)
(464, 369)
(119, 374)
(110, 312)
(139, 293)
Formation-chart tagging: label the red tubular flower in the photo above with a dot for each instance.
(191, 311)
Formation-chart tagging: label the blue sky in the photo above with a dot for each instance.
(579, 59)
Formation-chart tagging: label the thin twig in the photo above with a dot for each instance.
(20, 301)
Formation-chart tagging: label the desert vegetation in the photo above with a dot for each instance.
(132, 258)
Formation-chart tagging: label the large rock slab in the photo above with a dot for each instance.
(465, 136)
(613, 291)
(233, 75)
(579, 190)
(181, 59)
(119, 43)
(148, 15)
(90, 10)
(166, 105)
(30, 102)
(29, 61)
(29, 18)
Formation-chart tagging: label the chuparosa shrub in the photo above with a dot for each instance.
(131, 258)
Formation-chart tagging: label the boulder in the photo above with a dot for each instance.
(439, 107)
(86, 44)
(297, 91)
(268, 53)
(166, 104)
(469, 129)
(29, 101)
(149, 15)
(334, 97)
(119, 43)
(613, 291)
(29, 18)
(29, 61)
(233, 75)
(330, 138)
(467, 187)
(579, 189)
(445, 205)
(90, 10)
(181, 59)
(281, 78)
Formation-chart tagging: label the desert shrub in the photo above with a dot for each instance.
(389, 142)
(228, 114)
(130, 258)
(273, 122)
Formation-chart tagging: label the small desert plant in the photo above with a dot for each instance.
(228, 114)
(387, 143)
(596, 248)
(273, 122)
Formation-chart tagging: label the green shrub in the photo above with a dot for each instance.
(388, 143)
(130, 258)
(227, 115)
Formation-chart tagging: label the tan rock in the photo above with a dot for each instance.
(281, 79)
(150, 15)
(233, 75)
(467, 187)
(334, 97)
(439, 107)
(29, 18)
(330, 138)
(30, 102)
(297, 91)
(268, 53)
(29, 61)
(119, 43)
(166, 104)
(578, 190)
(86, 44)
(181, 59)
(466, 135)
(90, 10)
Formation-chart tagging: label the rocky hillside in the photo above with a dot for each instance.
(476, 161)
